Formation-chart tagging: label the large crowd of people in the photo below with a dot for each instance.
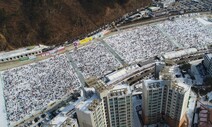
(94, 60)
(139, 43)
(32, 87)
(188, 32)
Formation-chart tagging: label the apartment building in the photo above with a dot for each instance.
(176, 104)
(166, 99)
(117, 103)
(91, 113)
(153, 100)
(120, 106)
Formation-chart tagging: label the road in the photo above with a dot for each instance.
(152, 20)
(79, 74)
(142, 23)
(13, 64)
(113, 52)
(116, 27)
(171, 39)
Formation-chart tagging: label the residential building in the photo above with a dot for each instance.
(91, 113)
(119, 103)
(152, 100)
(166, 99)
(176, 104)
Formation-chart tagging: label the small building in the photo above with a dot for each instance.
(63, 121)
(180, 53)
(154, 9)
(166, 98)
(90, 113)
(21, 54)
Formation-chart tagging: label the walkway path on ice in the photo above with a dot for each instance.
(3, 113)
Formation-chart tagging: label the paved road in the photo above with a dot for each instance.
(13, 64)
(113, 52)
(116, 27)
(141, 22)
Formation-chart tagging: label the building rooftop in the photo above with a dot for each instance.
(116, 74)
(21, 51)
(120, 90)
(175, 54)
(178, 82)
(183, 83)
(58, 121)
(92, 106)
(98, 85)
(153, 84)
(89, 105)
(165, 74)
(179, 87)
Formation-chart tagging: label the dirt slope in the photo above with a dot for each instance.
(29, 22)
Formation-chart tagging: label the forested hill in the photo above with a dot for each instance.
(30, 22)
